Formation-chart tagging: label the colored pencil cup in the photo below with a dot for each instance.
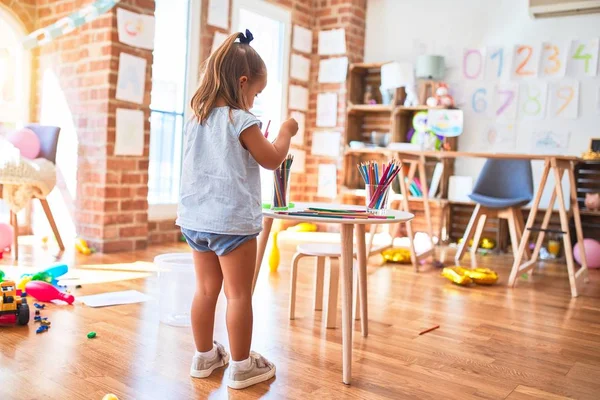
(377, 198)
(281, 189)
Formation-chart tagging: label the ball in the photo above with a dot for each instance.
(26, 141)
(6, 236)
(592, 252)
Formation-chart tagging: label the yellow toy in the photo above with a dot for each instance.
(397, 255)
(464, 276)
(23, 282)
(110, 396)
(485, 243)
(303, 227)
(82, 247)
(11, 304)
(274, 256)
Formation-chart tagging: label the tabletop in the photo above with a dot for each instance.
(399, 216)
(473, 154)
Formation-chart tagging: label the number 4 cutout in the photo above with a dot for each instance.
(584, 57)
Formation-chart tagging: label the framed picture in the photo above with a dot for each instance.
(595, 145)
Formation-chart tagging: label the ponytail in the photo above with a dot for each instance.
(221, 73)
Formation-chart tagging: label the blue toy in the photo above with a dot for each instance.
(49, 275)
(41, 329)
(39, 306)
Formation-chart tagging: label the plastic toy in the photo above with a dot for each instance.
(397, 255)
(592, 201)
(456, 275)
(422, 136)
(91, 335)
(303, 227)
(49, 275)
(110, 396)
(22, 282)
(46, 292)
(464, 277)
(592, 252)
(41, 329)
(6, 236)
(11, 304)
(274, 256)
(82, 247)
(1, 275)
(442, 97)
(39, 306)
(26, 141)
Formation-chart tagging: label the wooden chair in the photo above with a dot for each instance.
(48, 136)
(325, 255)
(503, 187)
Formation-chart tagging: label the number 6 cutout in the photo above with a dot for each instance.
(564, 99)
(532, 101)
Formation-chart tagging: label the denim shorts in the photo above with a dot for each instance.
(218, 243)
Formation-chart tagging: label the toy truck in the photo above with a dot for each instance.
(11, 304)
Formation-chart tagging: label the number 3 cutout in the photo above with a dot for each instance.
(554, 58)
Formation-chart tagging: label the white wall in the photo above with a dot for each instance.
(402, 29)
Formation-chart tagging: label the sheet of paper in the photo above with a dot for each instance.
(299, 164)
(218, 13)
(300, 117)
(327, 181)
(598, 100)
(300, 67)
(532, 100)
(332, 42)
(526, 61)
(500, 137)
(505, 101)
(495, 63)
(333, 70)
(459, 188)
(326, 143)
(480, 99)
(327, 105)
(114, 298)
(448, 123)
(131, 78)
(298, 98)
(473, 64)
(583, 57)
(129, 133)
(218, 40)
(550, 142)
(135, 29)
(302, 39)
(563, 99)
(554, 59)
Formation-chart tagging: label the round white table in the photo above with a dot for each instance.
(346, 228)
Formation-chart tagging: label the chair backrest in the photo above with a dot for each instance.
(48, 136)
(506, 179)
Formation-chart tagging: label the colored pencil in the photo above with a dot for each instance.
(281, 181)
(429, 330)
(267, 130)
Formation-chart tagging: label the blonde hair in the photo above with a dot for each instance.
(221, 74)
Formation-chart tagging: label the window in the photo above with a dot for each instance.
(175, 62)
(271, 27)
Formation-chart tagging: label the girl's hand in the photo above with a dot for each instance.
(289, 127)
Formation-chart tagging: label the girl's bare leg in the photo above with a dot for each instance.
(238, 274)
(209, 281)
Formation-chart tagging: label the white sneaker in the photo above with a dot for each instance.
(260, 370)
(202, 367)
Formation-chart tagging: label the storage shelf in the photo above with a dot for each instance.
(378, 108)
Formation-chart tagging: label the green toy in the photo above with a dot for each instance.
(2, 275)
(423, 136)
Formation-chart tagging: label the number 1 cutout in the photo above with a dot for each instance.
(494, 65)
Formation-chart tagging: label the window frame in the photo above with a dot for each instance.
(164, 211)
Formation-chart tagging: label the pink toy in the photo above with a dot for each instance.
(26, 141)
(592, 252)
(6, 236)
(46, 292)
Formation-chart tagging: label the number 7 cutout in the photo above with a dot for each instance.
(532, 100)
(554, 59)
(583, 57)
(526, 61)
(564, 99)
(505, 101)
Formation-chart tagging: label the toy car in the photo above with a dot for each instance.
(11, 304)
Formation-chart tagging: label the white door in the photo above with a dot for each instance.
(271, 27)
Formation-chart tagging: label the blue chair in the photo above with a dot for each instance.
(502, 188)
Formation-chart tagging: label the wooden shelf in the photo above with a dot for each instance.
(370, 108)
(370, 150)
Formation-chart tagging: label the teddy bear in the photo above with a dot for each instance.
(442, 97)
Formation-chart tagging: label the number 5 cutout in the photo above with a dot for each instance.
(564, 99)
(584, 57)
(526, 60)
(554, 59)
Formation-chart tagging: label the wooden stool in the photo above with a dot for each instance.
(323, 252)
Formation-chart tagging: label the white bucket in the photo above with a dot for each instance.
(177, 285)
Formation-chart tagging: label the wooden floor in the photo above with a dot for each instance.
(531, 342)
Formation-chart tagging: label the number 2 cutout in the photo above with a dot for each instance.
(521, 71)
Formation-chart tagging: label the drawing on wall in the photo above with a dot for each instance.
(500, 137)
(131, 78)
(135, 29)
(550, 142)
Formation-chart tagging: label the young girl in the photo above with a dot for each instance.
(220, 204)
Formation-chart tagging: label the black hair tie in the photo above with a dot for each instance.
(246, 39)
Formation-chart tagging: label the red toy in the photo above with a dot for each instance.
(46, 292)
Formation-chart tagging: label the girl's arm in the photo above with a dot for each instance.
(269, 155)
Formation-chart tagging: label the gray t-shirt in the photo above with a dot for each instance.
(220, 180)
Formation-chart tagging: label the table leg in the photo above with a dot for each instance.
(346, 275)
(512, 280)
(577, 218)
(409, 230)
(361, 249)
(425, 188)
(564, 225)
(263, 238)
